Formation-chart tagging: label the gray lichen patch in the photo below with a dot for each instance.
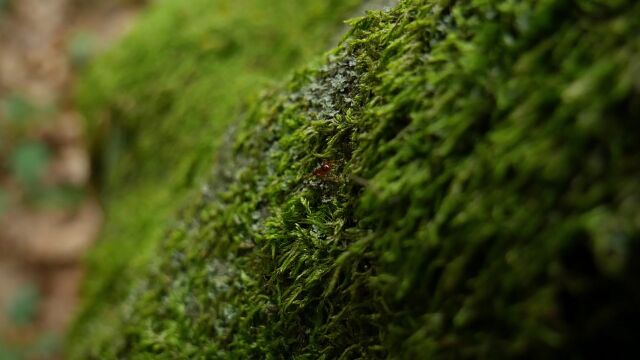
(333, 91)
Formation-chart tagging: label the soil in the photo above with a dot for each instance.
(41, 248)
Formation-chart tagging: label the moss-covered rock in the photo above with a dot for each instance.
(157, 107)
(457, 180)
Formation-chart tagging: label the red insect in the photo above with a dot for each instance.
(323, 170)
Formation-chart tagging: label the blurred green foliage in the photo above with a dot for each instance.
(81, 49)
(4, 4)
(18, 109)
(482, 200)
(24, 305)
(28, 162)
(22, 156)
(8, 353)
(3, 201)
(45, 346)
(61, 197)
(25, 157)
(22, 311)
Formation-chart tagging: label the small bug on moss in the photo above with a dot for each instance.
(323, 170)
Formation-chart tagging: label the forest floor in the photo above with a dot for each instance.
(48, 215)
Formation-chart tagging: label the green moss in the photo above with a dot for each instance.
(482, 200)
(158, 104)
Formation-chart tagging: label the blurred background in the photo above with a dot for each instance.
(48, 215)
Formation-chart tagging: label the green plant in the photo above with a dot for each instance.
(4, 4)
(18, 109)
(3, 201)
(8, 353)
(482, 201)
(28, 161)
(81, 48)
(24, 305)
(159, 104)
(61, 196)
(25, 157)
(45, 345)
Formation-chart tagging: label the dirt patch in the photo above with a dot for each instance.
(48, 215)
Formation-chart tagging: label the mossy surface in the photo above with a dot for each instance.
(481, 200)
(157, 106)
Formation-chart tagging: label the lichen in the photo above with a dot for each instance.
(482, 202)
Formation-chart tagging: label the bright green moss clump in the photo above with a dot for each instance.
(483, 199)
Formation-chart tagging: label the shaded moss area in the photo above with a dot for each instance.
(457, 180)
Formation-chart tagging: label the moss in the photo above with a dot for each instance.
(482, 200)
(157, 106)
